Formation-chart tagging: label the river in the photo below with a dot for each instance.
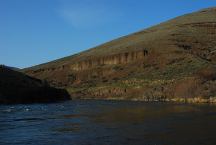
(93, 122)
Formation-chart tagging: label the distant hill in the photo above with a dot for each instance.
(174, 60)
(13, 68)
(16, 87)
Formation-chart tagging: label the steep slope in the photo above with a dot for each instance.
(16, 87)
(173, 60)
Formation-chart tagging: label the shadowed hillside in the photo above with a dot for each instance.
(16, 87)
(174, 60)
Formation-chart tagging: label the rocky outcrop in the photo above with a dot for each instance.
(122, 58)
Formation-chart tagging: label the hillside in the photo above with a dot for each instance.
(16, 87)
(174, 60)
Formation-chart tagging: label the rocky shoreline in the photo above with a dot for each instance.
(211, 100)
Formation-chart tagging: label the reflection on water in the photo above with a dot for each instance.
(107, 122)
(139, 114)
(69, 127)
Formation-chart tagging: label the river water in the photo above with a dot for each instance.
(108, 123)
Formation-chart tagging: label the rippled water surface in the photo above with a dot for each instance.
(107, 123)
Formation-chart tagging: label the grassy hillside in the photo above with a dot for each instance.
(174, 59)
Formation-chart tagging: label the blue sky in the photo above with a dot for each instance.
(38, 31)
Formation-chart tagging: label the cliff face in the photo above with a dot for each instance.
(122, 58)
(164, 62)
(16, 87)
